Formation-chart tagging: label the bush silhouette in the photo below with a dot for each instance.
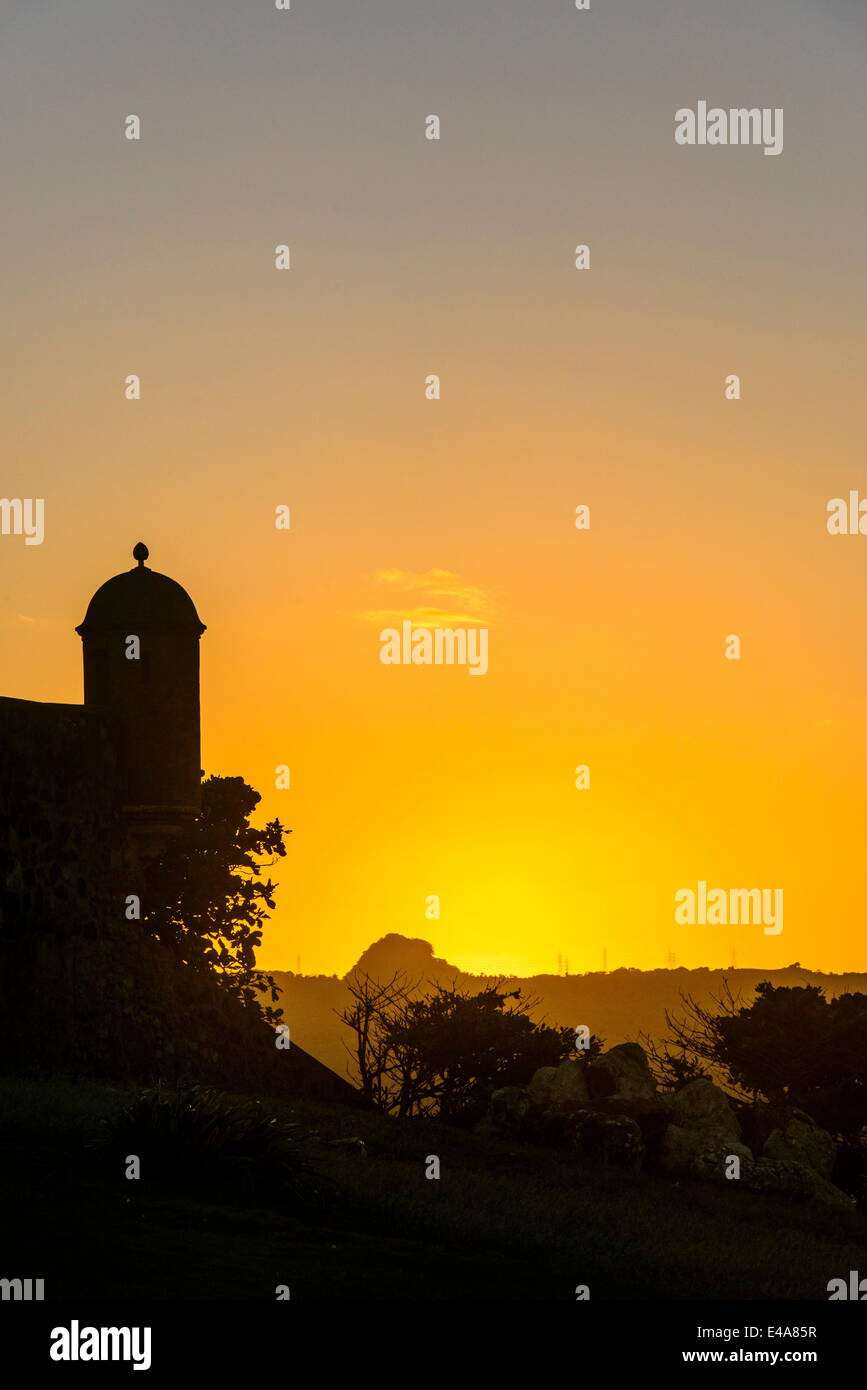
(206, 895)
(790, 1046)
(196, 1139)
(444, 1051)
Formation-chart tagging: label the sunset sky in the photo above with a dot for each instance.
(559, 387)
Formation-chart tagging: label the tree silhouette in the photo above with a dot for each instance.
(444, 1051)
(790, 1045)
(205, 897)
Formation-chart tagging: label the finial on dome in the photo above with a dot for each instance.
(140, 552)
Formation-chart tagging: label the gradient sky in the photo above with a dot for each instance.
(605, 387)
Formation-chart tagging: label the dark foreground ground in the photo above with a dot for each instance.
(504, 1221)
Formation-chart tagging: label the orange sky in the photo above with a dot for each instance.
(602, 387)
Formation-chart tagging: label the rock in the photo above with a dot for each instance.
(826, 1194)
(542, 1085)
(546, 1128)
(622, 1071)
(712, 1161)
(651, 1114)
(703, 1106)
(560, 1089)
(612, 1141)
(507, 1112)
(800, 1140)
(701, 1153)
(796, 1180)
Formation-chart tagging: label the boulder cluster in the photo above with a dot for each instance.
(610, 1112)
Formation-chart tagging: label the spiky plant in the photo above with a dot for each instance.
(196, 1138)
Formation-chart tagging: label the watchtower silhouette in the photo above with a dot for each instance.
(140, 638)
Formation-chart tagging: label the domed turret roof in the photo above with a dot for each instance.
(140, 598)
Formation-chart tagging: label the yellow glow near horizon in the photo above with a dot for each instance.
(560, 388)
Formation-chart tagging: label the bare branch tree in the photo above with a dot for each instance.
(443, 1050)
(375, 1008)
(696, 1044)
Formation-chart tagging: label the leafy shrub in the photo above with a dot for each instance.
(195, 1138)
(443, 1052)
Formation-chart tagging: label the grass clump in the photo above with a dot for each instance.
(195, 1138)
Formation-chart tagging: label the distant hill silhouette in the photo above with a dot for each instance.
(618, 1005)
(409, 953)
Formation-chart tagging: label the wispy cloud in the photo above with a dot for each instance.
(438, 598)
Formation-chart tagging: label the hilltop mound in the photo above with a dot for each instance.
(408, 953)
